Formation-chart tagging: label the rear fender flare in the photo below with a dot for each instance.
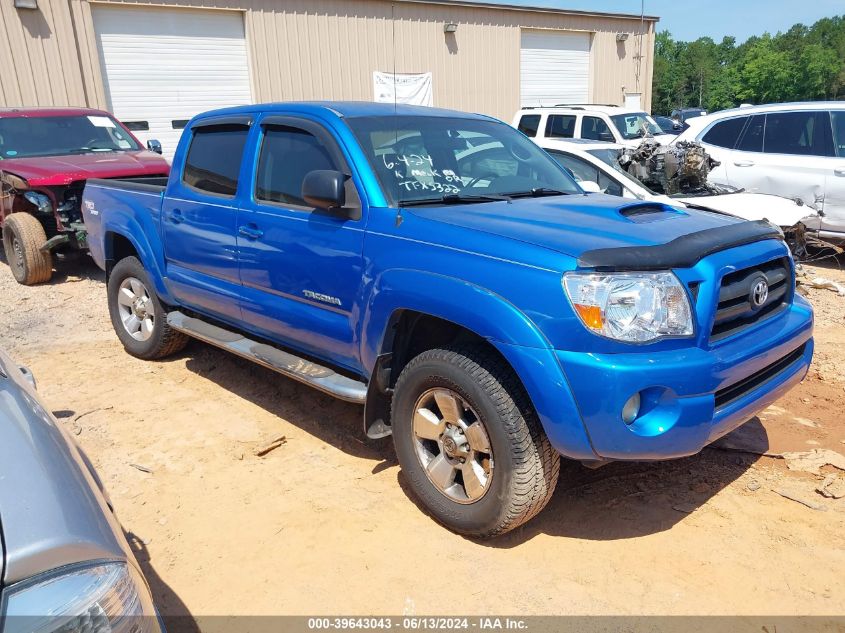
(151, 257)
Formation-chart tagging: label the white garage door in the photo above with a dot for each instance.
(163, 66)
(554, 68)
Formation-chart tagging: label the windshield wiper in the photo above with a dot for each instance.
(86, 150)
(538, 192)
(456, 198)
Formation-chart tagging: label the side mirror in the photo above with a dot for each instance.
(154, 146)
(324, 189)
(607, 137)
(590, 186)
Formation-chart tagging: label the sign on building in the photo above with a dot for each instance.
(413, 89)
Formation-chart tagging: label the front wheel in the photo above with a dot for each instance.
(137, 315)
(23, 237)
(470, 443)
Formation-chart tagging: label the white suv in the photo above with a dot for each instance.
(795, 150)
(593, 122)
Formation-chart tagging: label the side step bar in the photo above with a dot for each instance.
(305, 371)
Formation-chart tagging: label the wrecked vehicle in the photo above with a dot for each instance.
(796, 150)
(46, 155)
(675, 174)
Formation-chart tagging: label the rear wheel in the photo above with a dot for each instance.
(137, 315)
(23, 237)
(470, 443)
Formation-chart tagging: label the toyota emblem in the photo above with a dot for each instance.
(759, 293)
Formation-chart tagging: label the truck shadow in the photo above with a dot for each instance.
(626, 500)
(328, 419)
(619, 501)
(177, 618)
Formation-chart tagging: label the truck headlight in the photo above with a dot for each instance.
(631, 307)
(106, 597)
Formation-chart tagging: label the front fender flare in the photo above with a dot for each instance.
(492, 317)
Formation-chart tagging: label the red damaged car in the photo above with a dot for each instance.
(46, 155)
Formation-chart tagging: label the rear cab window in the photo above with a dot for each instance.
(213, 162)
(529, 124)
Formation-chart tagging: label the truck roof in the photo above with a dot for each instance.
(343, 109)
(47, 111)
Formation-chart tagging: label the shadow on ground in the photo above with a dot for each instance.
(69, 268)
(626, 500)
(174, 612)
(618, 501)
(330, 420)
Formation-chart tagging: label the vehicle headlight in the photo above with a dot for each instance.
(40, 201)
(631, 307)
(106, 598)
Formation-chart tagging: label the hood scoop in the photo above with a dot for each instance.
(644, 212)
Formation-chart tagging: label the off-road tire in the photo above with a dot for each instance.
(525, 466)
(164, 340)
(29, 264)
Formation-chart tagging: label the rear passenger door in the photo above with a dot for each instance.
(301, 268)
(199, 218)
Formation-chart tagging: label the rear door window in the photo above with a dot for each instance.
(529, 124)
(214, 158)
(725, 133)
(560, 126)
(796, 133)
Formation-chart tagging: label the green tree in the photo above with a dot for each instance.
(804, 63)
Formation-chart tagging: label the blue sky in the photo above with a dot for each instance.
(689, 20)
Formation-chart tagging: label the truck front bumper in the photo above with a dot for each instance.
(689, 397)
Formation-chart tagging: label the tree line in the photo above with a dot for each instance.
(802, 64)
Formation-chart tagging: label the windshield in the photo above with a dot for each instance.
(22, 137)
(611, 157)
(421, 159)
(634, 125)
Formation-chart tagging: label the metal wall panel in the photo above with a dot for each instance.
(302, 49)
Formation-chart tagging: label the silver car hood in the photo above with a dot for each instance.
(52, 510)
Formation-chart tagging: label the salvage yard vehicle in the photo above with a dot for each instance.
(46, 154)
(66, 565)
(488, 313)
(602, 164)
(607, 123)
(796, 150)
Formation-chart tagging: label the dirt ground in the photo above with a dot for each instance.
(324, 523)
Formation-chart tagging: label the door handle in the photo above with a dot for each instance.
(176, 216)
(839, 171)
(744, 163)
(250, 231)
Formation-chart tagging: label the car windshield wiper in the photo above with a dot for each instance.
(538, 192)
(456, 198)
(86, 150)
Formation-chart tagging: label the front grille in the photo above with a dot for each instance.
(736, 310)
(733, 392)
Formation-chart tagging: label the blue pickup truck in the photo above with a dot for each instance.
(443, 271)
